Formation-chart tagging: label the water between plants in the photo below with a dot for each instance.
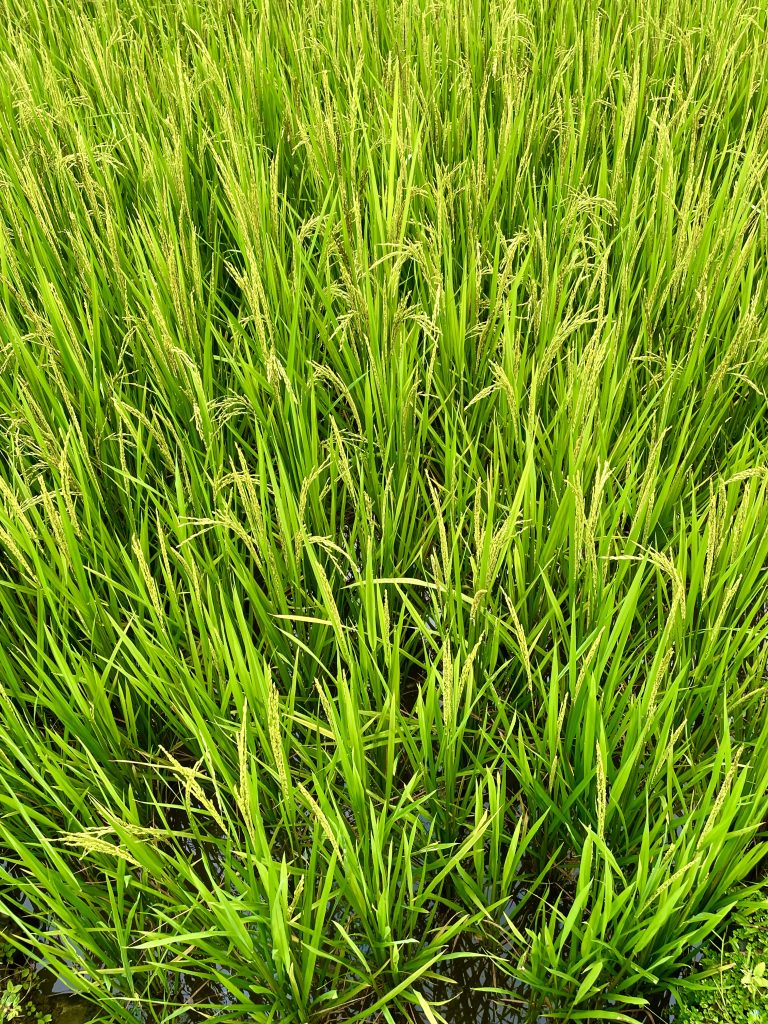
(469, 990)
(48, 995)
(463, 995)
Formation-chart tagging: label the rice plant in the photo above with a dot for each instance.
(383, 501)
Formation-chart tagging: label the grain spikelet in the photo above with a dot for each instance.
(275, 737)
(323, 821)
(522, 642)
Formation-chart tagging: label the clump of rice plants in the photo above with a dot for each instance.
(383, 501)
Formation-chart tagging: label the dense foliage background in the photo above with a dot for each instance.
(383, 498)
